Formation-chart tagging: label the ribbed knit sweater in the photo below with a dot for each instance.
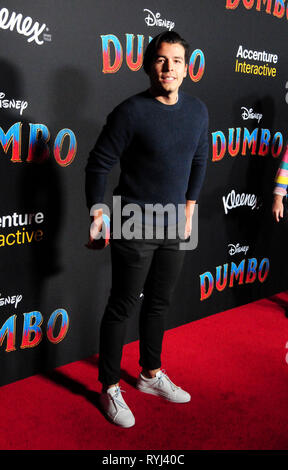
(281, 180)
(162, 149)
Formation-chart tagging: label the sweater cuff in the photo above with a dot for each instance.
(280, 191)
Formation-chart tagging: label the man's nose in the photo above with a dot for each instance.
(169, 64)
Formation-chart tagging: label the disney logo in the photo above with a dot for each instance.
(249, 114)
(234, 249)
(13, 300)
(12, 103)
(156, 20)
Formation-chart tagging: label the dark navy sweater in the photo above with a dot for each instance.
(162, 149)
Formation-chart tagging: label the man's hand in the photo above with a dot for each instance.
(190, 206)
(95, 229)
(277, 207)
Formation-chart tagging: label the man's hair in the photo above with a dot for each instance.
(170, 37)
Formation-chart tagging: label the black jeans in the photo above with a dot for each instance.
(150, 267)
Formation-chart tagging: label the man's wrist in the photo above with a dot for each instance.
(190, 206)
(97, 213)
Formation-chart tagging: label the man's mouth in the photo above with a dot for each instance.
(168, 79)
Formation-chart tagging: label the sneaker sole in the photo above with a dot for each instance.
(158, 394)
(118, 424)
(111, 419)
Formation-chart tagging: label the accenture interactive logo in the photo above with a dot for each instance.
(21, 229)
(257, 63)
(26, 26)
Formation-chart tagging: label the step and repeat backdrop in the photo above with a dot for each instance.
(65, 65)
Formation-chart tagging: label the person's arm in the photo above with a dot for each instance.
(277, 207)
(199, 162)
(197, 174)
(190, 206)
(280, 190)
(110, 146)
(95, 227)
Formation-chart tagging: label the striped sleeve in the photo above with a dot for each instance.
(281, 179)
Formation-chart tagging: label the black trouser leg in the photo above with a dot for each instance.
(161, 281)
(131, 263)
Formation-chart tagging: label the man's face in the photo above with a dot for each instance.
(168, 69)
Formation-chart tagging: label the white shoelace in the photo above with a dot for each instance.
(161, 382)
(115, 396)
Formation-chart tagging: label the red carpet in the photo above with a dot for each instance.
(233, 364)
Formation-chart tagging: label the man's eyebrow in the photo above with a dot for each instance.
(165, 57)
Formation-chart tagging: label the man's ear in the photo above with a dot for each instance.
(186, 70)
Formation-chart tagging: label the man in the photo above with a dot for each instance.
(161, 139)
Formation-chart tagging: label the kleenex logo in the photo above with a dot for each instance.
(25, 26)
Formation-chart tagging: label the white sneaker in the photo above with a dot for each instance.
(162, 386)
(115, 408)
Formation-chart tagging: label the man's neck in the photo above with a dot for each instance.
(169, 99)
